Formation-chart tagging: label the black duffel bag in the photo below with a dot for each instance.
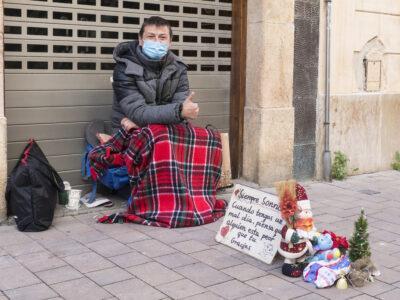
(32, 190)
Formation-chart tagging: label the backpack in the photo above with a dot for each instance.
(115, 179)
(32, 190)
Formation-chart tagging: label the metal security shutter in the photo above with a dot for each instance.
(58, 63)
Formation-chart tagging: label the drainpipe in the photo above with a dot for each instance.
(327, 162)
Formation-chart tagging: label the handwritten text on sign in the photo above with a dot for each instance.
(252, 223)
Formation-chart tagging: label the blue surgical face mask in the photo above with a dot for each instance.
(154, 50)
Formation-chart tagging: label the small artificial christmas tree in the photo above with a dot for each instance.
(359, 246)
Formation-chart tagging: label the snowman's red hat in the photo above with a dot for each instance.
(302, 199)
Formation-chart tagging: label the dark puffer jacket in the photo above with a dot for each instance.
(147, 91)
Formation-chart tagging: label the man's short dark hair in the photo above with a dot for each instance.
(158, 22)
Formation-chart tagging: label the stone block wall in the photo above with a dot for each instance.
(365, 101)
(268, 113)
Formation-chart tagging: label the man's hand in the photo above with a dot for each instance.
(103, 138)
(128, 124)
(190, 110)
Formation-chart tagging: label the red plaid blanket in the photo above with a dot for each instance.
(174, 172)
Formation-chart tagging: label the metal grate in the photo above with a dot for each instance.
(75, 33)
(58, 63)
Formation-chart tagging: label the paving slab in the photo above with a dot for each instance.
(168, 236)
(175, 260)
(386, 260)
(40, 261)
(375, 288)
(7, 261)
(130, 259)
(112, 228)
(37, 292)
(203, 274)
(233, 289)
(362, 297)
(13, 237)
(202, 235)
(58, 275)
(109, 247)
(190, 246)
(215, 225)
(89, 236)
(216, 259)
(258, 296)
(312, 296)
(181, 289)
(130, 236)
(277, 287)
(65, 247)
(154, 273)
(276, 263)
(385, 247)
(15, 277)
(134, 289)
(152, 248)
(392, 295)
(88, 262)
(82, 288)
(108, 276)
(244, 272)
(204, 296)
(225, 249)
(47, 235)
(388, 275)
(24, 248)
(73, 227)
(383, 236)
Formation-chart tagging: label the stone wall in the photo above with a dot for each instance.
(365, 85)
(3, 126)
(268, 113)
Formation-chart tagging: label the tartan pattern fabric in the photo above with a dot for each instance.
(174, 172)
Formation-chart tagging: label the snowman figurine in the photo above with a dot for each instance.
(299, 230)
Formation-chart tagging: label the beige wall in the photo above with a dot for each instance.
(364, 125)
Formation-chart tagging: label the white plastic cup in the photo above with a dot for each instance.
(67, 187)
(74, 197)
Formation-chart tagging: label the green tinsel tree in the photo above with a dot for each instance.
(359, 245)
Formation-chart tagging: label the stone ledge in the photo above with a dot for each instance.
(3, 169)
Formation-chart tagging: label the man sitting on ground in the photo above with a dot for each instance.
(173, 168)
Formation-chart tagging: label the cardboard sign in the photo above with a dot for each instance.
(252, 223)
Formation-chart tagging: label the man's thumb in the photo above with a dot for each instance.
(190, 97)
(188, 100)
